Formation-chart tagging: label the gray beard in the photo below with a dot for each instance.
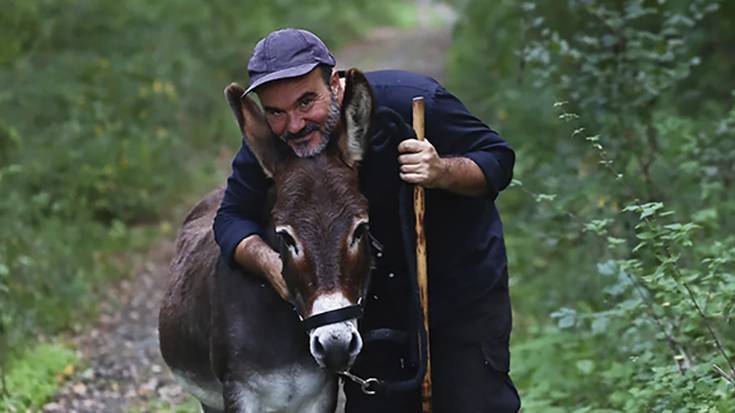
(304, 151)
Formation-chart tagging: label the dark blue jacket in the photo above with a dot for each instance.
(468, 279)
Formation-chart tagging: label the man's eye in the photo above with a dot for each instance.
(305, 103)
(275, 113)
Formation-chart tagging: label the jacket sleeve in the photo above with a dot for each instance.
(241, 211)
(453, 130)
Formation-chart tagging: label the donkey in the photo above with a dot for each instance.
(228, 338)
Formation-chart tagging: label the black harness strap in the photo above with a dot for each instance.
(330, 317)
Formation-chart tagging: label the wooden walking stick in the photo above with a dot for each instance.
(421, 273)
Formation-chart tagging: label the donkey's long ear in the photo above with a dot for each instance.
(357, 111)
(265, 146)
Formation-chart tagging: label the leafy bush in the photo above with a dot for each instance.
(34, 376)
(625, 240)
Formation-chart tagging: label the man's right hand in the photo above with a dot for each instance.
(275, 277)
(253, 254)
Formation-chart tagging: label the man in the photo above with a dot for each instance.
(463, 164)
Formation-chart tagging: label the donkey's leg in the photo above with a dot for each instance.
(207, 409)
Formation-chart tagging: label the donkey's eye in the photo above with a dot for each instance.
(288, 241)
(359, 233)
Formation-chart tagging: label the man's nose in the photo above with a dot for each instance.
(295, 123)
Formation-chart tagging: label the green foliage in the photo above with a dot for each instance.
(111, 114)
(620, 247)
(33, 376)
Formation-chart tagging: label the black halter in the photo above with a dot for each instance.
(334, 316)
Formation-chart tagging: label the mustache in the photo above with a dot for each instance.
(309, 128)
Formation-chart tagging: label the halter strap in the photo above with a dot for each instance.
(333, 316)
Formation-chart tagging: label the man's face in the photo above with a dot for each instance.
(302, 111)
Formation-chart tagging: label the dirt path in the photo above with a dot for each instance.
(122, 370)
(121, 366)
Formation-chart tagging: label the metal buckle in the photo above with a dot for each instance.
(366, 385)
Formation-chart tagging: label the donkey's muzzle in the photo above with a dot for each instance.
(337, 349)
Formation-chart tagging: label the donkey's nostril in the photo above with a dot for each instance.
(354, 347)
(318, 347)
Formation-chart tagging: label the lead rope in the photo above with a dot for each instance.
(372, 386)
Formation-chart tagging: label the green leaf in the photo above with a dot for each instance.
(585, 366)
(545, 197)
(566, 317)
(650, 209)
(600, 324)
(615, 241)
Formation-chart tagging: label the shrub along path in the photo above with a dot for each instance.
(122, 370)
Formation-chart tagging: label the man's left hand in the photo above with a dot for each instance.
(420, 164)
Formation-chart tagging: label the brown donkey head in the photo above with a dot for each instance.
(320, 216)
